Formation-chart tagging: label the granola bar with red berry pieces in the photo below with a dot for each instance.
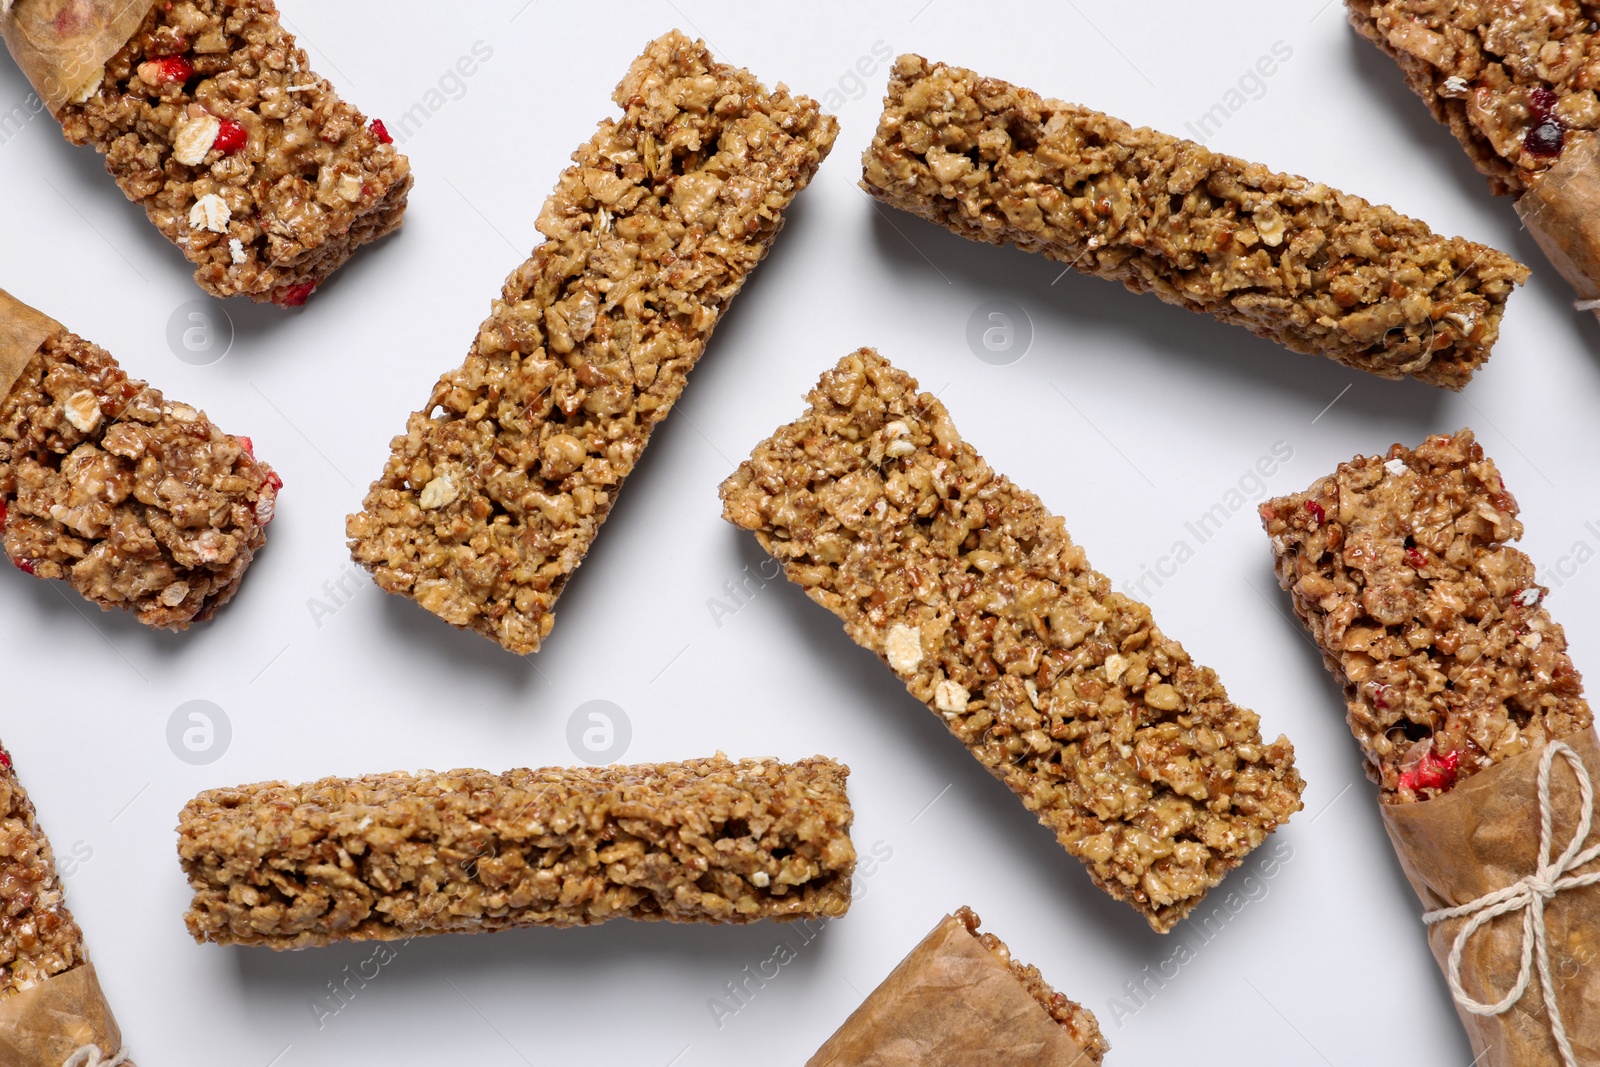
(38, 937)
(1519, 86)
(1402, 569)
(1512, 81)
(976, 597)
(212, 120)
(959, 996)
(52, 1009)
(392, 856)
(1317, 270)
(493, 495)
(136, 501)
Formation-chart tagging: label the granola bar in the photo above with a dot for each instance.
(492, 497)
(1317, 270)
(1512, 81)
(38, 937)
(211, 119)
(391, 856)
(978, 600)
(52, 1009)
(1401, 567)
(136, 501)
(960, 998)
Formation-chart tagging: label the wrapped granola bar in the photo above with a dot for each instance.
(136, 501)
(392, 856)
(960, 998)
(1317, 270)
(51, 1005)
(211, 119)
(1473, 722)
(1517, 85)
(976, 597)
(493, 495)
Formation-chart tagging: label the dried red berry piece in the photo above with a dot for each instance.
(25, 565)
(1316, 511)
(1433, 772)
(248, 445)
(1380, 697)
(1416, 558)
(1545, 139)
(2, 516)
(167, 71)
(274, 481)
(230, 137)
(295, 295)
(1542, 104)
(380, 131)
(5, 759)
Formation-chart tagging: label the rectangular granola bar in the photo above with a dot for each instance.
(1401, 567)
(136, 501)
(391, 856)
(961, 998)
(1317, 270)
(493, 495)
(975, 595)
(211, 119)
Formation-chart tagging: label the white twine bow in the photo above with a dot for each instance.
(1586, 305)
(90, 1056)
(1530, 896)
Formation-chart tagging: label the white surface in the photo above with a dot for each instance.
(1167, 412)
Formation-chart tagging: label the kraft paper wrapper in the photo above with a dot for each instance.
(1562, 212)
(950, 1003)
(1482, 836)
(42, 1026)
(62, 45)
(22, 331)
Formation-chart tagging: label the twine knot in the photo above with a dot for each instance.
(1529, 896)
(90, 1055)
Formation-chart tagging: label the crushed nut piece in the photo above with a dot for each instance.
(437, 493)
(82, 411)
(211, 212)
(903, 648)
(193, 137)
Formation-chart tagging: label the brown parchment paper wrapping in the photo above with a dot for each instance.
(22, 331)
(62, 45)
(1482, 836)
(950, 1004)
(1562, 212)
(42, 1026)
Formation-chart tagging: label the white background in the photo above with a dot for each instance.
(1127, 416)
